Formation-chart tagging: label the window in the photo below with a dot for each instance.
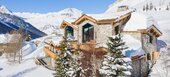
(69, 31)
(148, 56)
(117, 30)
(88, 33)
(150, 39)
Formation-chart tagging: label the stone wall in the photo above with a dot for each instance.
(140, 68)
(102, 33)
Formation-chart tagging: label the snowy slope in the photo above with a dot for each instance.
(161, 15)
(50, 22)
(138, 4)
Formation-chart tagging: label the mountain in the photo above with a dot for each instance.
(4, 9)
(10, 22)
(49, 22)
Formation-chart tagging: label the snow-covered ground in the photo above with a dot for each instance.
(27, 68)
(161, 68)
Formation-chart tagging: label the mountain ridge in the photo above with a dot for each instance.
(54, 19)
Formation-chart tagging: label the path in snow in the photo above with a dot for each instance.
(21, 73)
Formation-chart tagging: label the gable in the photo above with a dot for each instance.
(84, 18)
(65, 23)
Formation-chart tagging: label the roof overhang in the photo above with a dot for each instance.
(104, 21)
(83, 18)
(65, 23)
(153, 29)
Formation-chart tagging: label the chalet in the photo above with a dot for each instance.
(139, 31)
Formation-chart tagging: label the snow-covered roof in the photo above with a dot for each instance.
(133, 45)
(139, 21)
(2, 38)
(55, 40)
(106, 16)
(138, 52)
(132, 42)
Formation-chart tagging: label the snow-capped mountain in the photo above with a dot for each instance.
(4, 9)
(72, 13)
(11, 22)
(49, 22)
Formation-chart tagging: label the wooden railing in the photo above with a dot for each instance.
(50, 53)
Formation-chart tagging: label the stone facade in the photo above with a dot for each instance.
(103, 32)
(140, 68)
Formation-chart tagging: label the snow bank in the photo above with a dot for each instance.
(131, 42)
(139, 21)
(28, 48)
(27, 68)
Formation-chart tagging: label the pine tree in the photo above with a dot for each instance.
(167, 8)
(114, 63)
(155, 9)
(144, 8)
(147, 7)
(28, 37)
(151, 6)
(67, 64)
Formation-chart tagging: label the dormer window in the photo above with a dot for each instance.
(69, 31)
(149, 38)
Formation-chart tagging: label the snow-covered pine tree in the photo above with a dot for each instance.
(114, 63)
(67, 64)
(151, 6)
(147, 7)
(28, 36)
(155, 9)
(144, 8)
(167, 8)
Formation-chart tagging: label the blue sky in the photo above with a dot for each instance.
(44, 6)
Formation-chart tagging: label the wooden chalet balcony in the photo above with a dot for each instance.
(50, 53)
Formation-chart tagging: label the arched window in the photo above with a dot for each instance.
(88, 33)
(69, 31)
